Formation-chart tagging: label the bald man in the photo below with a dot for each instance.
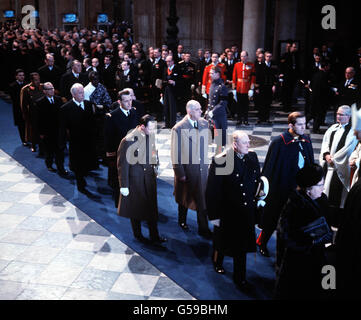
(189, 159)
(349, 89)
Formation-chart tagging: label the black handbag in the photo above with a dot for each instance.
(318, 231)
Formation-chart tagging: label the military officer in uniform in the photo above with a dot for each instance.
(217, 108)
(243, 81)
(207, 80)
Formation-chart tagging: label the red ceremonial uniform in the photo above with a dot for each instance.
(244, 75)
(207, 80)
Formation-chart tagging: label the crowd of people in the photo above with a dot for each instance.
(101, 94)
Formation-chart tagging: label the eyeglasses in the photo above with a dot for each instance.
(48, 88)
(341, 114)
(319, 185)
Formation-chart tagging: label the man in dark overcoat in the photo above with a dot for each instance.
(287, 153)
(189, 145)
(117, 125)
(137, 160)
(77, 122)
(14, 91)
(49, 108)
(231, 198)
(75, 75)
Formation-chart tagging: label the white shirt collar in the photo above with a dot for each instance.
(79, 104)
(126, 112)
(191, 121)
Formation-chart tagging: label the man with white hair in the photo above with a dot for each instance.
(232, 199)
(77, 121)
(189, 152)
(337, 145)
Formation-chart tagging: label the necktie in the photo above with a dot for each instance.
(127, 113)
(347, 83)
(51, 101)
(195, 124)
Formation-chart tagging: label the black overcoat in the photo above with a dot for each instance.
(232, 199)
(79, 125)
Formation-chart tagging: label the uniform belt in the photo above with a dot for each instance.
(187, 76)
(242, 80)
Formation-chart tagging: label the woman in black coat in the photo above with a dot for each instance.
(300, 255)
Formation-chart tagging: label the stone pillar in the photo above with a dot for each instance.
(254, 18)
(285, 23)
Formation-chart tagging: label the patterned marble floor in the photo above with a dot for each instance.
(49, 249)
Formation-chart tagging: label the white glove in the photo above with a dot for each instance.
(261, 203)
(124, 191)
(210, 114)
(216, 222)
(250, 93)
(234, 95)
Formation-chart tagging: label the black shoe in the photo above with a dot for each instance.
(218, 268)
(246, 123)
(184, 226)
(242, 285)
(207, 234)
(51, 169)
(159, 240)
(142, 239)
(263, 251)
(63, 172)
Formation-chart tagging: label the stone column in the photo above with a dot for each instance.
(254, 18)
(285, 23)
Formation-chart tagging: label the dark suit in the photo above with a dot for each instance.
(117, 125)
(53, 76)
(14, 91)
(157, 71)
(170, 95)
(320, 98)
(125, 81)
(108, 76)
(67, 80)
(265, 80)
(348, 94)
(79, 125)
(49, 128)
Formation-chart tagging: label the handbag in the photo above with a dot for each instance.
(318, 231)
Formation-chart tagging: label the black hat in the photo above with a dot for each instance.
(309, 175)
